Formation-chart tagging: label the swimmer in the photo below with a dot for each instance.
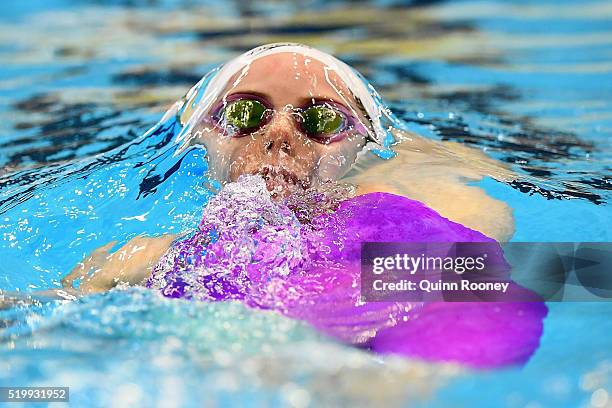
(288, 122)
(299, 118)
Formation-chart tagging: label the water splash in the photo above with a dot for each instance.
(243, 228)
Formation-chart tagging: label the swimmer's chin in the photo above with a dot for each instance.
(282, 182)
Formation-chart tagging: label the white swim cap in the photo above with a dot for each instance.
(200, 98)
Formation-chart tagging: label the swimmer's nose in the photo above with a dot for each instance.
(279, 147)
(283, 146)
(282, 137)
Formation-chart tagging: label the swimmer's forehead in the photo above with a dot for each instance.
(291, 79)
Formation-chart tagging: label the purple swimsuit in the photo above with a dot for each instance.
(305, 264)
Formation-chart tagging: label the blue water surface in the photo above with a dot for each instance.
(81, 83)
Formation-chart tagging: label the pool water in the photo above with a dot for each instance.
(82, 81)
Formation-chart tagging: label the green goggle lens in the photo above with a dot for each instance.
(245, 113)
(319, 120)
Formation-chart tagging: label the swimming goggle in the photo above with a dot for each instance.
(325, 122)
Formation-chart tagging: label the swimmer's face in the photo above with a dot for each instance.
(287, 118)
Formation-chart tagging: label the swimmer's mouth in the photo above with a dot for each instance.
(282, 182)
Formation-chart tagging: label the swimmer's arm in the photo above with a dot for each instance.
(9, 299)
(441, 175)
(130, 264)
